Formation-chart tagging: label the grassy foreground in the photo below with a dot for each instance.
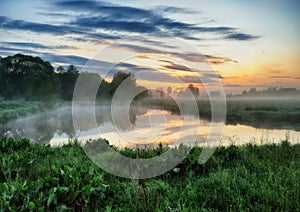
(37, 177)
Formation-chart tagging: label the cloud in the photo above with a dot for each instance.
(216, 60)
(240, 37)
(174, 66)
(10, 24)
(98, 20)
(235, 85)
(108, 24)
(192, 57)
(23, 45)
(280, 77)
(145, 41)
(149, 23)
(178, 67)
(157, 76)
(197, 80)
(172, 10)
(6, 51)
(7, 23)
(66, 59)
(212, 76)
(113, 17)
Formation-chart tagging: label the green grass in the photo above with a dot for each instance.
(10, 110)
(37, 177)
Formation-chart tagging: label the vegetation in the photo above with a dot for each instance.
(30, 78)
(37, 177)
(271, 92)
(10, 110)
(263, 113)
(27, 77)
(271, 114)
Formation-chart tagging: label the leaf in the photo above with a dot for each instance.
(91, 171)
(176, 170)
(31, 161)
(31, 206)
(40, 184)
(65, 189)
(87, 190)
(62, 208)
(52, 197)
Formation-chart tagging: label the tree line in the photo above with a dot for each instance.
(30, 78)
(272, 91)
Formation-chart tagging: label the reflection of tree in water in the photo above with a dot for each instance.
(136, 111)
(42, 127)
(122, 119)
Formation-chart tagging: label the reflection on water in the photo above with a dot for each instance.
(239, 134)
(146, 128)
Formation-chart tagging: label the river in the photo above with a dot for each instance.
(146, 128)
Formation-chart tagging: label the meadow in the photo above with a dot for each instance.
(35, 177)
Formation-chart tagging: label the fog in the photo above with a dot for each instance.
(259, 113)
(42, 126)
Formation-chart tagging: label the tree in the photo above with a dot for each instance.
(169, 90)
(27, 77)
(60, 69)
(118, 79)
(194, 90)
(67, 81)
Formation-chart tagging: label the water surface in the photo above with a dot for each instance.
(146, 127)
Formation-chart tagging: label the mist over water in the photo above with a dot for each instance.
(147, 127)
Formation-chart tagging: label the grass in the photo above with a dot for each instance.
(10, 110)
(36, 177)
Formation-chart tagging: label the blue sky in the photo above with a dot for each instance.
(248, 43)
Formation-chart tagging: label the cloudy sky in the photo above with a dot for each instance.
(246, 43)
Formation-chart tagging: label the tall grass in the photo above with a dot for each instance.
(37, 177)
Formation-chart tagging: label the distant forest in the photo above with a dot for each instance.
(31, 78)
(272, 91)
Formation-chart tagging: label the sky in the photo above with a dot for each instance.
(238, 43)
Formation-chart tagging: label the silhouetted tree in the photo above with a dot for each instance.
(194, 90)
(67, 81)
(27, 77)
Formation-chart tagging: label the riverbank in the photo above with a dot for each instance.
(10, 110)
(40, 178)
(268, 113)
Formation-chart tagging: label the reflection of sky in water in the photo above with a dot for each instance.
(156, 127)
(239, 134)
(149, 127)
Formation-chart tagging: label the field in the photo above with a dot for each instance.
(36, 177)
